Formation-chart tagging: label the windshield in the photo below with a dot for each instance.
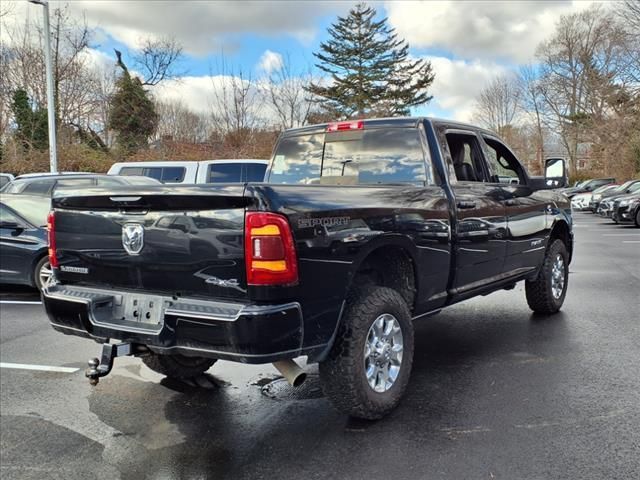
(33, 209)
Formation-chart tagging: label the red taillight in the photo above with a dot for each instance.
(51, 236)
(270, 253)
(342, 126)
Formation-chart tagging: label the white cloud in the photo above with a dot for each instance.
(458, 83)
(194, 92)
(203, 27)
(509, 30)
(270, 61)
(98, 60)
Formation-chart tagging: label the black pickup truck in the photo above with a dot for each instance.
(362, 228)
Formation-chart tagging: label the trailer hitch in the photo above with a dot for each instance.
(100, 368)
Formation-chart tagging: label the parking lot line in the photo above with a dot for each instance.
(631, 241)
(41, 368)
(20, 302)
(621, 234)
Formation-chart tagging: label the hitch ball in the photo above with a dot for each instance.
(92, 372)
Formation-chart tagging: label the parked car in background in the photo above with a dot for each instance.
(4, 179)
(627, 187)
(607, 205)
(46, 185)
(231, 171)
(588, 186)
(164, 172)
(23, 240)
(581, 201)
(626, 209)
(189, 172)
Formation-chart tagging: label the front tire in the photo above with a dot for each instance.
(368, 367)
(546, 293)
(178, 366)
(638, 218)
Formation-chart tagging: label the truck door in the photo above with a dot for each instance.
(527, 230)
(480, 244)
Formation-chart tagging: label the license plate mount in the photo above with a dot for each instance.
(147, 310)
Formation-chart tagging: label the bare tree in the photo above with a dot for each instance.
(285, 94)
(498, 103)
(532, 105)
(629, 11)
(74, 80)
(236, 106)
(180, 123)
(158, 60)
(585, 78)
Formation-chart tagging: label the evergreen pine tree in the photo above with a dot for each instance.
(132, 115)
(31, 125)
(370, 69)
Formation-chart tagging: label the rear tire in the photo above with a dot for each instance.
(178, 366)
(42, 273)
(546, 293)
(368, 367)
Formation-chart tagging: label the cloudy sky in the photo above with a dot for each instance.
(467, 42)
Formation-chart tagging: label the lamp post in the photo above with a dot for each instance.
(51, 109)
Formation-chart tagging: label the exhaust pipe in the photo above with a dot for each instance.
(291, 372)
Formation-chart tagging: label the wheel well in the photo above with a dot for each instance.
(391, 267)
(561, 231)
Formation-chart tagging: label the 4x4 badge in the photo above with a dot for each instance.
(132, 238)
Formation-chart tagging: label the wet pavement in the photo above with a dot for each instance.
(495, 393)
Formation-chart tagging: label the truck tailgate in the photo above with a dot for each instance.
(184, 241)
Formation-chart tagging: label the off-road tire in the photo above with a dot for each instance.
(539, 291)
(343, 374)
(178, 366)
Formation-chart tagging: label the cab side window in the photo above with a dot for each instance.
(503, 165)
(466, 155)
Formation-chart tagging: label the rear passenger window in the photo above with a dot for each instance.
(225, 173)
(466, 155)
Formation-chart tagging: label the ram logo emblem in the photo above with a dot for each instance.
(132, 238)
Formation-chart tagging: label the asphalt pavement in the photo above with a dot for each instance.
(495, 393)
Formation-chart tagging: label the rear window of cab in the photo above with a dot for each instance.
(375, 156)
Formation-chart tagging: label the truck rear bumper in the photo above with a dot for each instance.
(246, 333)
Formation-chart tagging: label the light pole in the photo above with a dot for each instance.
(51, 109)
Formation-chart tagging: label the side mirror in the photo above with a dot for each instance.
(555, 172)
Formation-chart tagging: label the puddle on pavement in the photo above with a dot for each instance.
(279, 389)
